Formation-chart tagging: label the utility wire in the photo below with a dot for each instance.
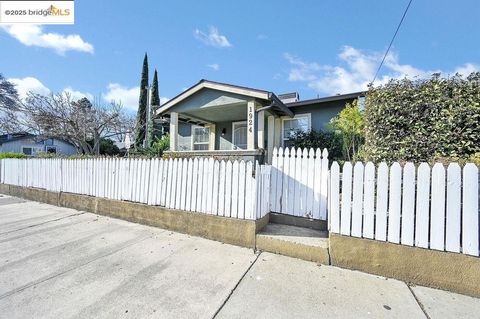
(391, 42)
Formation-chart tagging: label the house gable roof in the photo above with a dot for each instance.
(224, 87)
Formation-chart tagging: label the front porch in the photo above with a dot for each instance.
(225, 121)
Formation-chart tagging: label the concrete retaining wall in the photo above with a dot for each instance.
(437, 269)
(228, 230)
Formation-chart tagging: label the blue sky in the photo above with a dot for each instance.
(316, 48)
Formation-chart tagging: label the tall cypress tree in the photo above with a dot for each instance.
(155, 103)
(142, 106)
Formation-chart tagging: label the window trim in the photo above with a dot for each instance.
(286, 118)
(35, 149)
(233, 131)
(201, 143)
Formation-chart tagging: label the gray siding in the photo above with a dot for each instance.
(321, 113)
(63, 148)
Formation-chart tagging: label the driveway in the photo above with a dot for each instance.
(62, 263)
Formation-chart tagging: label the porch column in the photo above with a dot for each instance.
(261, 129)
(173, 131)
(278, 132)
(270, 137)
(211, 137)
(251, 125)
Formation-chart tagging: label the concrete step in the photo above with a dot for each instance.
(278, 218)
(293, 241)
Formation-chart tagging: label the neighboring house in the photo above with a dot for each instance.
(224, 120)
(30, 144)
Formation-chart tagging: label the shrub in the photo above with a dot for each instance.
(108, 147)
(349, 125)
(423, 120)
(158, 147)
(12, 155)
(319, 139)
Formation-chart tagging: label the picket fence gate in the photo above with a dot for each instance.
(427, 207)
(222, 188)
(299, 185)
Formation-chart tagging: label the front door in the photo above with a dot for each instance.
(239, 135)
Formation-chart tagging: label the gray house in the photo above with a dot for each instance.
(224, 120)
(30, 145)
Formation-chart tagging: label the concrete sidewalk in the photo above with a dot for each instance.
(58, 262)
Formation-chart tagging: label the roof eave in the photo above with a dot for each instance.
(326, 99)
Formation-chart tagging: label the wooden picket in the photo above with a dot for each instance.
(454, 191)
(429, 208)
(470, 222)
(408, 204)
(345, 214)
(334, 198)
(357, 201)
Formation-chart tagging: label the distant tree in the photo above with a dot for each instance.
(8, 93)
(107, 147)
(142, 106)
(8, 104)
(79, 122)
(155, 103)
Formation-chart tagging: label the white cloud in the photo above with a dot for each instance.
(163, 100)
(212, 38)
(301, 71)
(77, 95)
(34, 35)
(467, 68)
(29, 84)
(118, 93)
(214, 66)
(356, 71)
(34, 85)
(128, 97)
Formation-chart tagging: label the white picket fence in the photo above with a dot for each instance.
(299, 185)
(222, 188)
(423, 207)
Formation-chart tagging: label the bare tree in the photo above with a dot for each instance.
(8, 102)
(78, 122)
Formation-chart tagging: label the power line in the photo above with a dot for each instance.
(391, 42)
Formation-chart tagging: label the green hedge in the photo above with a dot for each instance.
(423, 120)
(12, 155)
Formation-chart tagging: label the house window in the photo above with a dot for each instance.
(30, 150)
(200, 138)
(239, 135)
(51, 149)
(27, 151)
(299, 123)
